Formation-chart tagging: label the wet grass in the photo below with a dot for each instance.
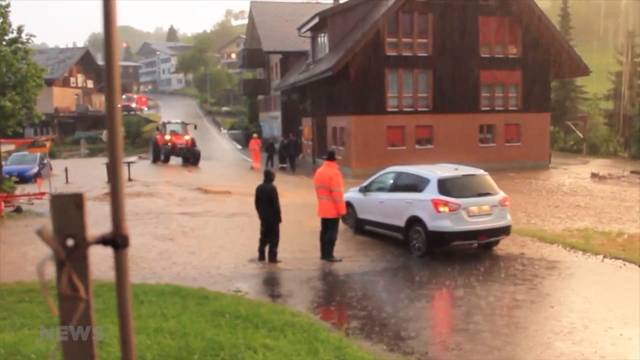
(175, 322)
(612, 244)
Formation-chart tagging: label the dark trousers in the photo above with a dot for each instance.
(269, 161)
(269, 237)
(328, 237)
(292, 162)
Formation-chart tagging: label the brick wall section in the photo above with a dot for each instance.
(455, 140)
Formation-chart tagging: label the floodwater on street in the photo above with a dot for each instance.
(197, 227)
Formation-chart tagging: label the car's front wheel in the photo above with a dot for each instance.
(418, 239)
(350, 219)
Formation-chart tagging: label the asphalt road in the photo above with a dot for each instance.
(197, 227)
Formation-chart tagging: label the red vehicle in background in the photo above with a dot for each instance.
(134, 103)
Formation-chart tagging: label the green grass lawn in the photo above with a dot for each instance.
(173, 322)
(601, 61)
(616, 245)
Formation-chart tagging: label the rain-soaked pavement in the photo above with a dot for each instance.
(528, 300)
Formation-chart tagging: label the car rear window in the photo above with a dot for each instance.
(468, 186)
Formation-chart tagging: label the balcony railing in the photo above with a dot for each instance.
(253, 87)
(252, 58)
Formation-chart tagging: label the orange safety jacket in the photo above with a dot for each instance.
(329, 190)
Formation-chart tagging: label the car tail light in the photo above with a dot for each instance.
(444, 206)
(505, 201)
(167, 137)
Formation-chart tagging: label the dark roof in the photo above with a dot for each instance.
(566, 62)
(231, 41)
(169, 48)
(277, 22)
(339, 55)
(56, 61)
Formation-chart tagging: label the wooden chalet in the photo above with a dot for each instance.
(424, 81)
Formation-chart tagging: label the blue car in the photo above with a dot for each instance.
(26, 167)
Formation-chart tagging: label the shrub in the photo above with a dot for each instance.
(7, 186)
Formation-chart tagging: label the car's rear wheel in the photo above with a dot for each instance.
(350, 219)
(418, 239)
(489, 246)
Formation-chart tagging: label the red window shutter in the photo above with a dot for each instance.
(424, 131)
(485, 24)
(512, 133)
(487, 76)
(515, 34)
(506, 77)
(395, 136)
(500, 37)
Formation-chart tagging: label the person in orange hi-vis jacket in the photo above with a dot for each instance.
(331, 206)
(255, 148)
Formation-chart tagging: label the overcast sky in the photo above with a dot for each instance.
(61, 22)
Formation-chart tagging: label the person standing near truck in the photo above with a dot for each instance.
(268, 207)
(331, 206)
(271, 151)
(255, 148)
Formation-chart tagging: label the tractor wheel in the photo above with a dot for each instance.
(155, 152)
(166, 156)
(195, 157)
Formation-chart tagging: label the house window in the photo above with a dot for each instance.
(409, 33)
(408, 89)
(424, 136)
(334, 136)
(499, 36)
(320, 45)
(393, 89)
(395, 137)
(512, 134)
(487, 134)
(500, 90)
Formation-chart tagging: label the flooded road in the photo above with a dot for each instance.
(197, 227)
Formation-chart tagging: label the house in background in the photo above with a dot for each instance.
(426, 81)
(159, 61)
(271, 49)
(129, 76)
(70, 100)
(229, 54)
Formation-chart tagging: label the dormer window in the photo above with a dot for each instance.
(500, 36)
(409, 33)
(320, 45)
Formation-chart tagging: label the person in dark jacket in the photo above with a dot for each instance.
(293, 147)
(283, 154)
(271, 151)
(268, 207)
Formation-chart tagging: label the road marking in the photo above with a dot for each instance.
(230, 142)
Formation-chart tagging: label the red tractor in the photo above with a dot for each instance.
(174, 139)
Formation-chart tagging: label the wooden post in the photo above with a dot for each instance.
(77, 330)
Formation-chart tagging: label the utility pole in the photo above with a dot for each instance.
(120, 235)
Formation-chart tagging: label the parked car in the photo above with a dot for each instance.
(431, 206)
(174, 139)
(134, 103)
(26, 167)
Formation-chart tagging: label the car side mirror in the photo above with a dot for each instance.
(362, 189)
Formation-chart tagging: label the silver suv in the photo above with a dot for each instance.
(431, 206)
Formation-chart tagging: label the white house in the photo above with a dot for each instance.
(159, 62)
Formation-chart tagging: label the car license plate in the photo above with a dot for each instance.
(479, 210)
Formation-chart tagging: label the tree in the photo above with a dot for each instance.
(127, 54)
(624, 93)
(566, 94)
(20, 77)
(172, 35)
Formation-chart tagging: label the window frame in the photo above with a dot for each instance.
(506, 94)
(415, 95)
(519, 127)
(367, 187)
(404, 137)
(507, 22)
(432, 137)
(396, 180)
(400, 39)
(482, 131)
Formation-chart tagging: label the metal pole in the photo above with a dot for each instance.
(115, 147)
